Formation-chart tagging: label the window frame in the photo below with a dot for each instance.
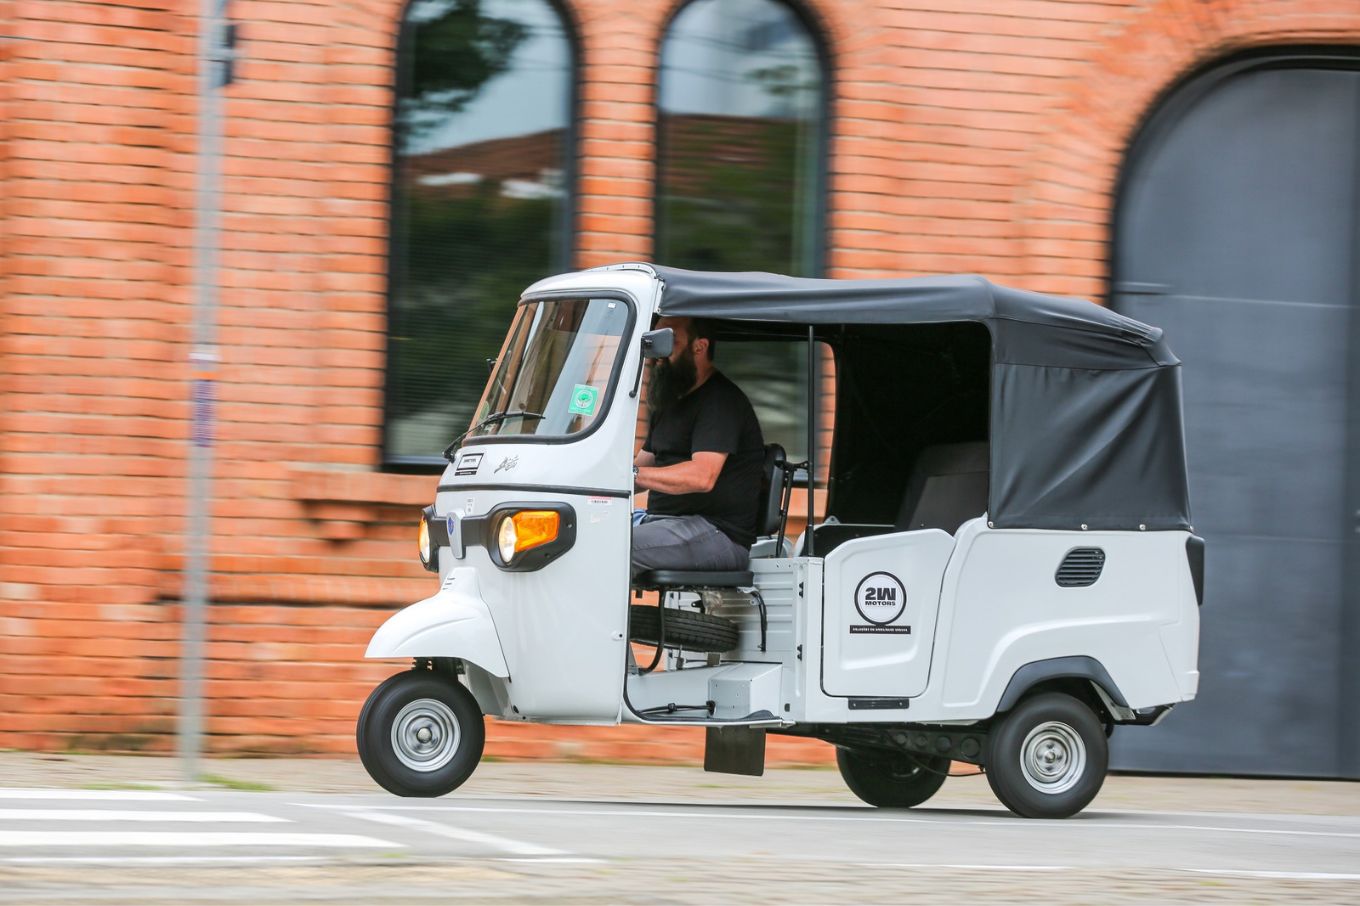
(615, 374)
(563, 228)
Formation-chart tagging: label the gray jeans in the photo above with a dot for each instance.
(684, 542)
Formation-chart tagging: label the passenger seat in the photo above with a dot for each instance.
(946, 488)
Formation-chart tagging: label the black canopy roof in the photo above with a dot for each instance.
(1083, 404)
(1027, 328)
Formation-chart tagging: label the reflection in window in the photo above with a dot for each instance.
(479, 202)
(741, 120)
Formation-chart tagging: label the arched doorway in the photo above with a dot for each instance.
(1238, 231)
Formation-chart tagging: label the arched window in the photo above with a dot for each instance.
(741, 148)
(480, 201)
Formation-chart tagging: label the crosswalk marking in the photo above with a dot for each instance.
(179, 839)
(99, 814)
(97, 795)
(153, 860)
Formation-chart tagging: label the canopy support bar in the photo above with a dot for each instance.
(809, 549)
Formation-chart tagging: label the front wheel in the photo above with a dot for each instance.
(420, 734)
(889, 780)
(1048, 757)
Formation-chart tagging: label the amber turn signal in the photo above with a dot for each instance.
(526, 529)
(535, 527)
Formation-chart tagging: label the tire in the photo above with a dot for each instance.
(892, 781)
(1047, 758)
(687, 629)
(399, 712)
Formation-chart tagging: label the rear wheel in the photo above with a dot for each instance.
(687, 629)
(892, 781)
(420, 734)
(1047, 758)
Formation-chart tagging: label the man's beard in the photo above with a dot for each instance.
(669, 381)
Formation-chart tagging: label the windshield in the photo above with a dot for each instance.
(554, 371)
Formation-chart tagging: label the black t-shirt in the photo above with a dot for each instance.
(715, 418)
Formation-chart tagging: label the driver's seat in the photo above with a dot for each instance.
(772, 516)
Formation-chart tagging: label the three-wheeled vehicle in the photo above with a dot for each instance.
(1004, 573)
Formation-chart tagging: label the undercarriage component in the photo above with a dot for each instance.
(967, 744)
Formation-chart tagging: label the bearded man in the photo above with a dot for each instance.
(701, 462)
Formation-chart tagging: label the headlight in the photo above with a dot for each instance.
(506, 538)
(525, 530)
(423, 542)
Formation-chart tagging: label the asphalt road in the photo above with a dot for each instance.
(223, 846)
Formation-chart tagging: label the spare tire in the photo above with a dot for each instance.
(687, 629)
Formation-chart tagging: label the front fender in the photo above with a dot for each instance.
(454, 623)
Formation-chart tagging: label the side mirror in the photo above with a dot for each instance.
(657, 344)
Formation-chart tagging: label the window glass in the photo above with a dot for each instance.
(741, 120)
(773, 375)
(479, 203)
(554, 375)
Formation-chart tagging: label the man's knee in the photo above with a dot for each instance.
(656, 544)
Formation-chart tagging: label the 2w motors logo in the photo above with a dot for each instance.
(881, 601)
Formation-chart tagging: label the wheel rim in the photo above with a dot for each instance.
(425, 735)
(1053, 757)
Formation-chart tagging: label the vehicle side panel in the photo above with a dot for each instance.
(1001, 608)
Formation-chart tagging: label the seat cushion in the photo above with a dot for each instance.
(693, 578)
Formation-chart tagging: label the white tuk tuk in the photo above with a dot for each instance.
(1006, 570)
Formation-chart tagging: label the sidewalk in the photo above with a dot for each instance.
(670, 784)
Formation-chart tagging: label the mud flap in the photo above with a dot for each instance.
(735, 750)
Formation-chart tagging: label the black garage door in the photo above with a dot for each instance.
(1238, 231)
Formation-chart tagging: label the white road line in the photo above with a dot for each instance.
(1232, 830)
(1098, 812)
(1014, 824)
(920, 865)
(153, 860)
(178, 839)
(1222, 872)
(103, 814)
(1284, 875)
(514, 847)
(98, 795)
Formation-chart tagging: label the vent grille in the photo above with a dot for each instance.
(1081, 567)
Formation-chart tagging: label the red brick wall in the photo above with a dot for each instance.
(968, 135)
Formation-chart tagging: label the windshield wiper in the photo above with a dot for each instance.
(492, 419)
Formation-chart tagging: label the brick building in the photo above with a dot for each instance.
(377, 156)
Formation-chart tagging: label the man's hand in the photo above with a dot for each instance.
(696, 476)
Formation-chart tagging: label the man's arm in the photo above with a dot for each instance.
(694, 476)
(644, 458)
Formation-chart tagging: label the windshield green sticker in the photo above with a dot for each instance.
(584, 399)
